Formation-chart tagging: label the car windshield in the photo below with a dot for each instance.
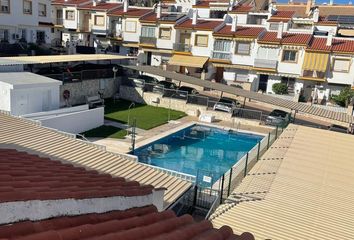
(147, 78)
(187, 89)
(278, 113)
(226, 100)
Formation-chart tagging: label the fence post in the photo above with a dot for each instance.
(230, 178)
(259, 147)
(195, 195)
(244, 175)
(268, 140)
(222, 187)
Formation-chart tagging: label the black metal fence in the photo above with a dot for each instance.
(68, 77)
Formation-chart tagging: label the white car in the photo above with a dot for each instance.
(226, 105)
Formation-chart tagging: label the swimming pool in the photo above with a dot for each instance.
(198, 150)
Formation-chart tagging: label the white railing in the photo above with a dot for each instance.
(265, 63)
(183, 176)
(221, 55)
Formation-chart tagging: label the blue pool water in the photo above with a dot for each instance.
(198, 150)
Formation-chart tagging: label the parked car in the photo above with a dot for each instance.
(277, 117)
(50, 70)
(141, 80)
(162, 85)
(184, 91)
(226, 105)
(338, 128)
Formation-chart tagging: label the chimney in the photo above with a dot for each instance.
(234, 24)
(158, 11)
(329, 38)
(195, 17)
(280, 30)
(231, 5)
(316, 15)
(125, 5)
(308, 7)
(94, 3)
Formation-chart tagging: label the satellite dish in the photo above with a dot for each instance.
(115, 69)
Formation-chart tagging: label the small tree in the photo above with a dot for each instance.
(344, 97)
(280, 88)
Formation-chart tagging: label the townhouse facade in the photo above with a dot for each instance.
(25, 21)
(249, 44)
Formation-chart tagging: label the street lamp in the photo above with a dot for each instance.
(130, 106)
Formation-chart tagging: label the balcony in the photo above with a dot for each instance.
(224, 56)
(265, 63)
(118, 35)
(147, 41)
(181, 47)
(58, 21)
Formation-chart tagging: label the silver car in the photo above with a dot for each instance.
(277, 117)
(226, 105)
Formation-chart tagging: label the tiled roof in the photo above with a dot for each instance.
(132, 224)
(301, 188)
(325, 10)
(300, 10)
(152, 17)
(69, 2)
(52, 144)
(26, 177)
(323, 20)
(202, 24)
(252, 32)
(338, 45)
(287, 38)
(282, 16)
(206, 3)
(242, 9)
(100, 6)
(132, 12)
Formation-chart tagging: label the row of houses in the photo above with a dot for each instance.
(252, 44)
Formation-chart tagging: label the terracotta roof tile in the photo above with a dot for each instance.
(242, 9)
(132, 12)
(202, 24)
(284, 14)
(100, 6)
(135, 223)
(252, 32)
(338, 45)
(167, 18)
(29, 177)
(287, 38)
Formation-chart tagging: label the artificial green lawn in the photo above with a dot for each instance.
(105, 132)
(147, 117)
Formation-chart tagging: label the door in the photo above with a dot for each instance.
(219, 75)
(60, 17)
(86, 23)
(263, 82)
(185, 38)
(148, 58)
(40, 37)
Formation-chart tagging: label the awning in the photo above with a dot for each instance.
(280, 74)
(155, 50)
(315, 61)
(188, 61)
(232, 66)
(312, 79)
(6, 61)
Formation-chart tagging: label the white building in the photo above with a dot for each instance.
(25, 20)
(25, 92)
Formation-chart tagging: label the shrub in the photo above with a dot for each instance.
(344, 97)
(280, 88)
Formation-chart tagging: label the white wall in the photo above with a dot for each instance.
(30, 100)
(244, 59)
(76, 122)
(203, 12)
(288, 67)
(202, 51)
(5, 97)
(341, 77)
(163, 43)
(70, 24)
(131, 36)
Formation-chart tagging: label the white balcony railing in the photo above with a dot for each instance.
(265, 63)
(221, 55)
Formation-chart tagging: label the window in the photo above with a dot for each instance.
(70, 15)
(27, 7)
(243, 48)
(5, 6)
(148, 32)
(201, 40)
(341, 65)
(23, 34)
(130, 26)
(289, 56)
(99, 20)
(4, 35)
(267, 53)
(274, 26)
(222, 46)
(42, 10)
(165, 33)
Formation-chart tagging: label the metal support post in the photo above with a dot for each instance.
(244, 175)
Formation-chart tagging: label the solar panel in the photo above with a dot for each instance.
(171, 17)
(341, 18)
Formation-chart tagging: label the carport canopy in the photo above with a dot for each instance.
(20, 60)
(296, 106)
